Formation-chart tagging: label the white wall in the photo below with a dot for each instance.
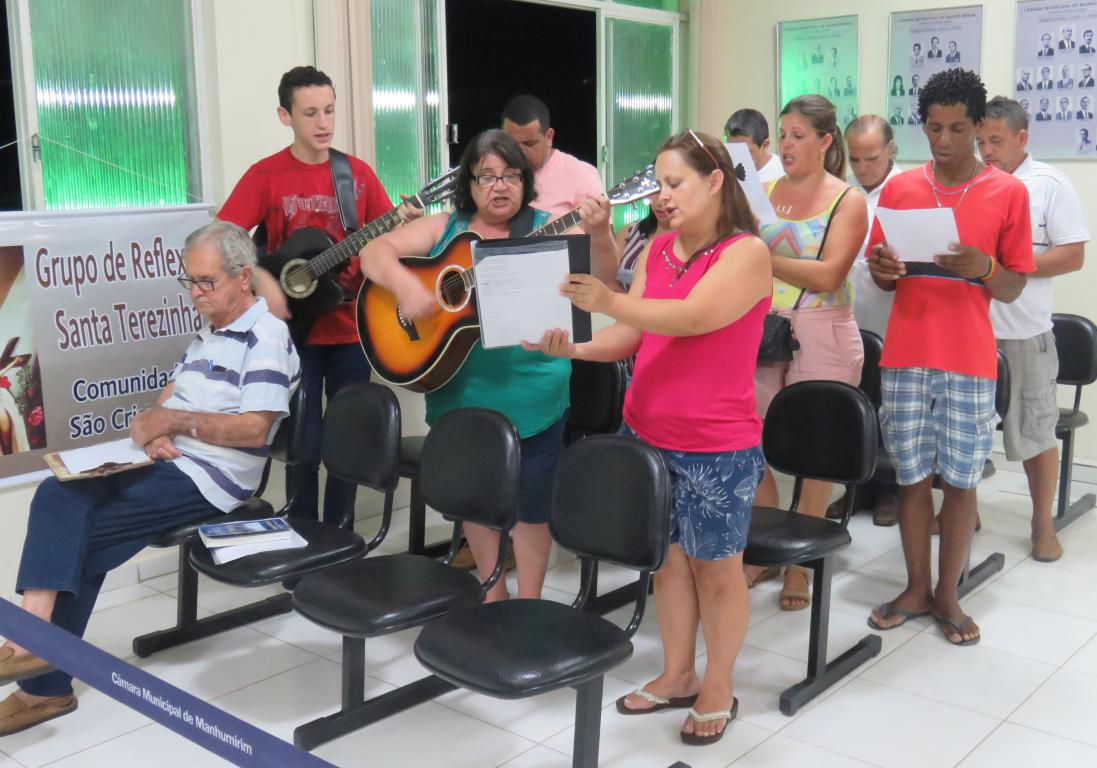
(737, 68)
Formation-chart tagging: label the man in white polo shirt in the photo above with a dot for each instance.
(870, 142)
(1023, 328)
(209, 433)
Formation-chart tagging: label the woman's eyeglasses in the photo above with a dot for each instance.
(490, 179)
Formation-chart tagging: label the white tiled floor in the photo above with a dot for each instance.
(1026, 695)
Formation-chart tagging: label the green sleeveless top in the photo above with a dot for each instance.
(529, 388)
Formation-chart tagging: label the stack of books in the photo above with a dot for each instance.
(231, 541)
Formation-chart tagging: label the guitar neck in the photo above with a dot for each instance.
(558, 226)
(355, 241)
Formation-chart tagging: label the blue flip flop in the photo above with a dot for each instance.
(889, 609)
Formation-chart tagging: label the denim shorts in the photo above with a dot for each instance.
(540, 455)
(713, 498)
(937, 421)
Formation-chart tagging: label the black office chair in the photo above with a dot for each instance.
(611, 501)
(864, 496)
(361, 432)
(597, 393)
(1076, 343)
(286, 448)
(469, 471)
(597, 396)
(802, 418)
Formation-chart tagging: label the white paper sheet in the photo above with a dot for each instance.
(751, 184)
(518, 294)
(918, 234)
(222, 555)
(122, 451)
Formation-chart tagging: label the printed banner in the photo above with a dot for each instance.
(92, 320)
(1054, 62)
(924, 43)
(820, 56)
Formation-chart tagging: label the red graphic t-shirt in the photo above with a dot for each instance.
(287, 195)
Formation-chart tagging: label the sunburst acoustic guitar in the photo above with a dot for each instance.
(423, 355)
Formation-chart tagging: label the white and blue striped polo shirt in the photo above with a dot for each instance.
(249, 365)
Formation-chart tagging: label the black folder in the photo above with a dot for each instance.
(578, 263)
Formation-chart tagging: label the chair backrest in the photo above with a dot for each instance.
(821, 430)
(470, 468)
(611, 501)
(870, 370)
(1001, 390)
(597, 396)
(1076, 342)
(289, 440)
(361, 438)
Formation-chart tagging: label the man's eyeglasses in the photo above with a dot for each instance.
(489, 179)
(205, 284)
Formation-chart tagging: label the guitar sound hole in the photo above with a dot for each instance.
(451, 291)
(297, 280)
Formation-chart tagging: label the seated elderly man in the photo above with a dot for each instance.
(208, 432)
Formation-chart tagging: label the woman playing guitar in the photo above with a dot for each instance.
(494, 188)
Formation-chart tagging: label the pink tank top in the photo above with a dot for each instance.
(695, 393)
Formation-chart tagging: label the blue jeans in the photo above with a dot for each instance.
(81, 529)
(325, 368)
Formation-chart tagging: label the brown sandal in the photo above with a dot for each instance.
(795, 594)
(658, 703)
(763, 575)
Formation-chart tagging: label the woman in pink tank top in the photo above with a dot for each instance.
(693, 318)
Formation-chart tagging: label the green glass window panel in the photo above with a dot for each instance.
(406, 100)
(640, 71)
(659, 5)
(114, 92)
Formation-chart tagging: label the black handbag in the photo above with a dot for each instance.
(778, 341)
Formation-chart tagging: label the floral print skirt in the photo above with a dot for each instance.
(713, 497)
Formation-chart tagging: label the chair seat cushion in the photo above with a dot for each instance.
(519, 648)
(411, 448)
(252, 509)
(1069, 420)
(780, 537)
(379, 595)
(327, 545)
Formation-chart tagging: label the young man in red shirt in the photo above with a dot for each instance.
(289, 190)
(939, 362)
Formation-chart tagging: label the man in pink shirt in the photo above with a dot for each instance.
(563, 182)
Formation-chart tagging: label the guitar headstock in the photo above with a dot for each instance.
(439, 189)
(637, 187)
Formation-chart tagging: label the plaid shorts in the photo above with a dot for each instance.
(713, 499)
(937, 422)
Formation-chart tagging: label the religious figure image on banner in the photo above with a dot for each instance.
(22, 419)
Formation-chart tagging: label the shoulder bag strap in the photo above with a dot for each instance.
(522, 223)
(343, 180)
(819, 255)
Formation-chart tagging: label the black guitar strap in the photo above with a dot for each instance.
(343, 181)
(522, 223)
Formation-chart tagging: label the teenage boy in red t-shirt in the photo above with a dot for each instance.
(939, 363)
(289, 190)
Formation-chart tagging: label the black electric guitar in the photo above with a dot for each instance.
(307, 264)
